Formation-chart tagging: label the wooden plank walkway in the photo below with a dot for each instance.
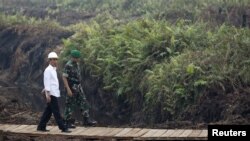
(108, 133)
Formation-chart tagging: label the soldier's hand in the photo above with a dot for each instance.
(69, 92)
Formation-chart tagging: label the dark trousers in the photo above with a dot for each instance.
(52, 107)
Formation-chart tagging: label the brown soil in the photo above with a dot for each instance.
(23, 52)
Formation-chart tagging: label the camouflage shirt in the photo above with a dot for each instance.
(72, 72)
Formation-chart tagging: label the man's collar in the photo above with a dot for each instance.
(52, 67)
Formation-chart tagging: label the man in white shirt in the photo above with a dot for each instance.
(52, 92)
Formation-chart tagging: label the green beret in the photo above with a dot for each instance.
(75, 53)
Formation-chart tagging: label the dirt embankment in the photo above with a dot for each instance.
(23, 53)
(23, 58)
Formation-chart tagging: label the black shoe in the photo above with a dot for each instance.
(89, 122)
(42, 129)
(66, 131)
(69, 123)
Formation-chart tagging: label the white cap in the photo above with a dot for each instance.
(52, 55)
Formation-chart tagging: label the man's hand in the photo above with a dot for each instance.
(47, 95)
(48, 99)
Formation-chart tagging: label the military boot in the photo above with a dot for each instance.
(70, 123)
(88, 122)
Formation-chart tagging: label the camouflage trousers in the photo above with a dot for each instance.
(77, 100)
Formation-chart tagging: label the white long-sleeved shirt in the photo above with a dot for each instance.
(50, 81)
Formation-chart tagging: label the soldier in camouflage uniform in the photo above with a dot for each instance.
(75, 95)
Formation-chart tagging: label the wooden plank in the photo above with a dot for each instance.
(186, 133)
(132, 132)
(168, 133)
(96, 131)
(11, 127)
(3, 126)
(54, 129)
(177, 133)
(123, 132)
(113, 132)
(195, 133)
(88, 131)
(204, 133)
(159, 132)
(78, 130)
(149, 133)
(105, 132)
(23, 129)
(16, 130)
(50, 127)
(154, 133)
(141, 132)
(29, 129)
